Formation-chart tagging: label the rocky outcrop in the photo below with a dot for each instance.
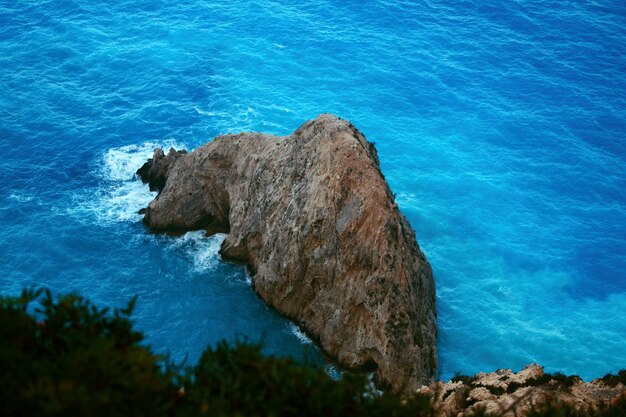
(157, 169)
(505, 393)
(315, 221)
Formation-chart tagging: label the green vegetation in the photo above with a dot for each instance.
(618, 409)
(71, 358)
(612, 380)
(67, 357)
(75, 359)
(559, 380)
(467, 380)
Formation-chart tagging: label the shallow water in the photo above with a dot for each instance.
(499, 126)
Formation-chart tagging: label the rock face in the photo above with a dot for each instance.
(505, 393)
(315, 221)
(157, 169)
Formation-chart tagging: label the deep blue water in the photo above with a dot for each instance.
(500, 125)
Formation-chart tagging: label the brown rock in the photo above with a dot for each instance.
(508, 394)
(312, 216)
(156, 170)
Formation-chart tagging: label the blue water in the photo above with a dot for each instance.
(500, 126)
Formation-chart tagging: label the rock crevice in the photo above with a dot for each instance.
(313, 217)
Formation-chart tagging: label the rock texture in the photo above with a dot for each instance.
(157, 169)
(315, 221)
(504, 393)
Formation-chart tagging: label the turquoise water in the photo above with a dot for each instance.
(500, 126)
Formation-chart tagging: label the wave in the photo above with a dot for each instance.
(21, 198)
(208, 113)
(299, 334)
(120, 194)
(202, 252)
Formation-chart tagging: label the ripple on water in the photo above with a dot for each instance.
(500, 128)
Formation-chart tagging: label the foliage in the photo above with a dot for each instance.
(76, 359)
(558, 378)
(240, 380)
(617, 409)
(66, 357)
(612, 380)
(467, 380)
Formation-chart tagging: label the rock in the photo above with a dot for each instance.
(156, 170)
(315, 221)
(480, 394)
(530, 372)
(505, 393)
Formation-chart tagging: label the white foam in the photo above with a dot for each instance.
(120, 164)
(202, 252)
(279, 108)
(120, 194)
(333, 372)
(296, 331)
(21, 198)
(248, 277)
(207, 113)
(373, 391)
(122, 202)
(504, 291)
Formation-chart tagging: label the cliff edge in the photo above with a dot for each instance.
(508, 394)
(314, 219)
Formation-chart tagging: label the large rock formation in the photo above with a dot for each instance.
(315, 221)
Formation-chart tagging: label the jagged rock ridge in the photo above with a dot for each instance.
(314, 219)
(508, 394)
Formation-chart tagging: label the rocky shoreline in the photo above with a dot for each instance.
(505, 393)
(315, 221)
(313, 218)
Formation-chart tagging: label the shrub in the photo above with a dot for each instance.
(76, 359)
(552, 409)
(562, 381)
(73, 359)
(612, 380)
(467, 380)
(67, 357)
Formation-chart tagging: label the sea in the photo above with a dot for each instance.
(500, 127)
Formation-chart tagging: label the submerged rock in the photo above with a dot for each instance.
(314, 219)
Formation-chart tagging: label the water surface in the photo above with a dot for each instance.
(500, 126)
